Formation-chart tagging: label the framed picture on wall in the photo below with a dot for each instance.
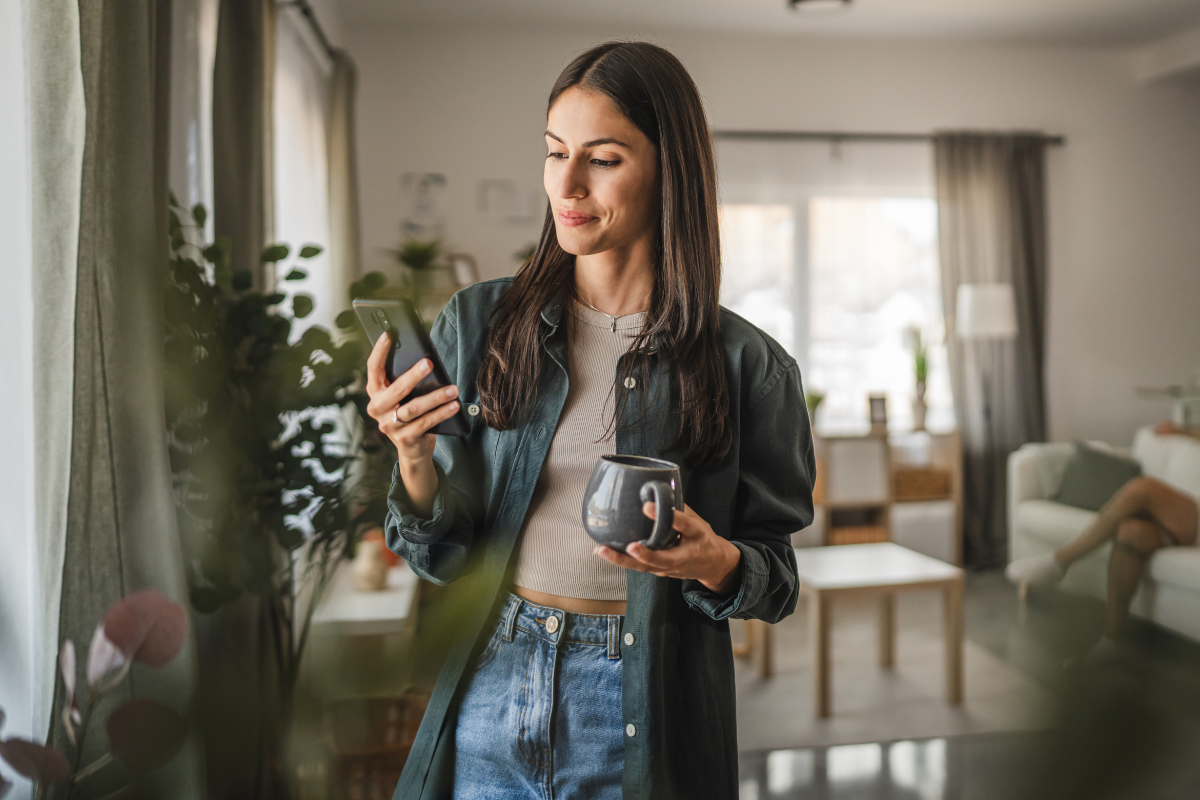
(877, 404)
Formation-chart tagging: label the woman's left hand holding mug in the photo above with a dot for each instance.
(700, 554)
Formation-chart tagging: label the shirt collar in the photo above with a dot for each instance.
(553, 310)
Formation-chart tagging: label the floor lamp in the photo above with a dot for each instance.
(986, 312)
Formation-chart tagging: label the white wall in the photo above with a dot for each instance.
(1124, 192)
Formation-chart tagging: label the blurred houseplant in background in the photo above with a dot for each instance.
(141, 734)
(813, 399)
(427, 277)
(920, 351)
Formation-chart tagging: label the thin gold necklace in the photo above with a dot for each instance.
(605, 313)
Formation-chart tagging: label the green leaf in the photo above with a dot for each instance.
(242, 280)
(310, 250)
(274, 253)
(296, 275)
(346, 319)
(275, 299)
(374, 280)
(200, 214)
(302, 306)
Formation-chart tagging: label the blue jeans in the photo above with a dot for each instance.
(541, 717)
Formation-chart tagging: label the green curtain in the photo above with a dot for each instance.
(242, 112)
(121, 531)
(344, 247)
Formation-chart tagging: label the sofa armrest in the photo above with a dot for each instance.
(1035, 472)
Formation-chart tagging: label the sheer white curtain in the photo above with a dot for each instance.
(41, 152)
(303, 72)
(20, 631)
(831, 248)
(193, 51)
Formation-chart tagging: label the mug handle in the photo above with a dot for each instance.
(663, 535)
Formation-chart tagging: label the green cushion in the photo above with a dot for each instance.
(1094, 475)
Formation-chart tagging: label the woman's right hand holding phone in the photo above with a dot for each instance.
(408, 424)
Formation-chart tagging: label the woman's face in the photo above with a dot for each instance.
(601, 175)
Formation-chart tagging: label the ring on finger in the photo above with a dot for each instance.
(396, 414)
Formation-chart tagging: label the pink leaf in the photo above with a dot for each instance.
(144, 735)
(147, 627)
(66, 662)
(103, 657)
(43, 764)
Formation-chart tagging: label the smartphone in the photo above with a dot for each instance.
(410, 343)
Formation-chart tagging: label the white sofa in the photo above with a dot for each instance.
(1170, 593)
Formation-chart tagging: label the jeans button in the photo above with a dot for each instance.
(629, 638)
(631, 730)
(552, 624)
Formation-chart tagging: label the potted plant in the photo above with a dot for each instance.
(920, 353)
(261, 430)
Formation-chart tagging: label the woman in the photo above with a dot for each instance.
(1144, 515)
(584, 672)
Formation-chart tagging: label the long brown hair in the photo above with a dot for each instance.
(655, 92)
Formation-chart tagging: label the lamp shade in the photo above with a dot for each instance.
(985, 311)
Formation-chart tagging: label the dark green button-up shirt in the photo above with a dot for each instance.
(677, 677)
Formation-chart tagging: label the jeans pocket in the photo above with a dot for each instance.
(493, 646)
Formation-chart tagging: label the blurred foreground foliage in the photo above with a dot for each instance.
(277, 469)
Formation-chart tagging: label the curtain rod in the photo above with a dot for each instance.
(842, 136)
(305, 8)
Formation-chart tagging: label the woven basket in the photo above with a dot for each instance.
(920, 483)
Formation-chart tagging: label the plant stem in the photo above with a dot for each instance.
(83, 729)
(97, 765)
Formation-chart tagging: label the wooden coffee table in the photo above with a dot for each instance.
(881, 569)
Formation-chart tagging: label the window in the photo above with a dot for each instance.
(756, 278)
(302, 73)
(873, 277)
(833, 252)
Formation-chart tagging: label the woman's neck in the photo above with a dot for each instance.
(617, 281)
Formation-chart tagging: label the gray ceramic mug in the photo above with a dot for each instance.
(612, 504)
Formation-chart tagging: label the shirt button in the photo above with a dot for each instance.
(552, 624)
(629, 638)
(631, 730)
(630, 382)
(473, 410)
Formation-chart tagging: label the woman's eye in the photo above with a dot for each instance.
(557, 156)
(602, 163)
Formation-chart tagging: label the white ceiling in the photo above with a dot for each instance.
(1111, 22)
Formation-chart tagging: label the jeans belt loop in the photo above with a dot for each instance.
(614, 637)
(510, 621)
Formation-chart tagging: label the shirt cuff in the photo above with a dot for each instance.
(752, 584)
(418, 530)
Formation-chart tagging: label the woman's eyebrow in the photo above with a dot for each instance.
(592, 143)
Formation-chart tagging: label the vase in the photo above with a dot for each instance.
(919, 409)
(369, 569)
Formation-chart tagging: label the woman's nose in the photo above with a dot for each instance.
(572, 183)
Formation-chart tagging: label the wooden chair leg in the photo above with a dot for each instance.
(746, 649)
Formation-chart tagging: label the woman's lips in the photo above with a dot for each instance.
(574, 218)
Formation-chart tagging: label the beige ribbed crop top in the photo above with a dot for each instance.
(555, 552)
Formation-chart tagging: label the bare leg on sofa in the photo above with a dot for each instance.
(1142, 498)
(1143, 516)
(1136, 540)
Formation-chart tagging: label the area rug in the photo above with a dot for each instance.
(872, 704)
